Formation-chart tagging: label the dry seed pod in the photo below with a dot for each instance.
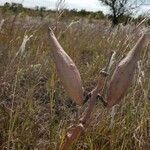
(67, 71)
(123, 74)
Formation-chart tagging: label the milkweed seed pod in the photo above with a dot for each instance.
(67, 71)
(123, 74)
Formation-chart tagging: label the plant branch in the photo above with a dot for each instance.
(76, 130)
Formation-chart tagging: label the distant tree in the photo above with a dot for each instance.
(16, 7)
(120, 7)
(42, 10)
(13, 7)
(73, 11)
(36, 8)
(83, 13)
(99, 15)
(6, 7)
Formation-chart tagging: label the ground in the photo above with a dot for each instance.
(35, 110)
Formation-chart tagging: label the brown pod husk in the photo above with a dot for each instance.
(123, 74)
(67, 71)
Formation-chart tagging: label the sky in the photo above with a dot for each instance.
(90, 5)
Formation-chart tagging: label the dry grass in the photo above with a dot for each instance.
(34, 108)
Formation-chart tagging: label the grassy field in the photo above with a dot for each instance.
(35, 110)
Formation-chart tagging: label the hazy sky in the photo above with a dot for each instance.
(92, 5)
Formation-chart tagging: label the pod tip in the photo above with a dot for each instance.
(51, 31)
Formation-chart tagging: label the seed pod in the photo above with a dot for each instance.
(123, 74)
(67, 71)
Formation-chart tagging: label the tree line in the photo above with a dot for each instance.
(118, 12)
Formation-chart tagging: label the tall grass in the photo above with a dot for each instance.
(35, 111)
